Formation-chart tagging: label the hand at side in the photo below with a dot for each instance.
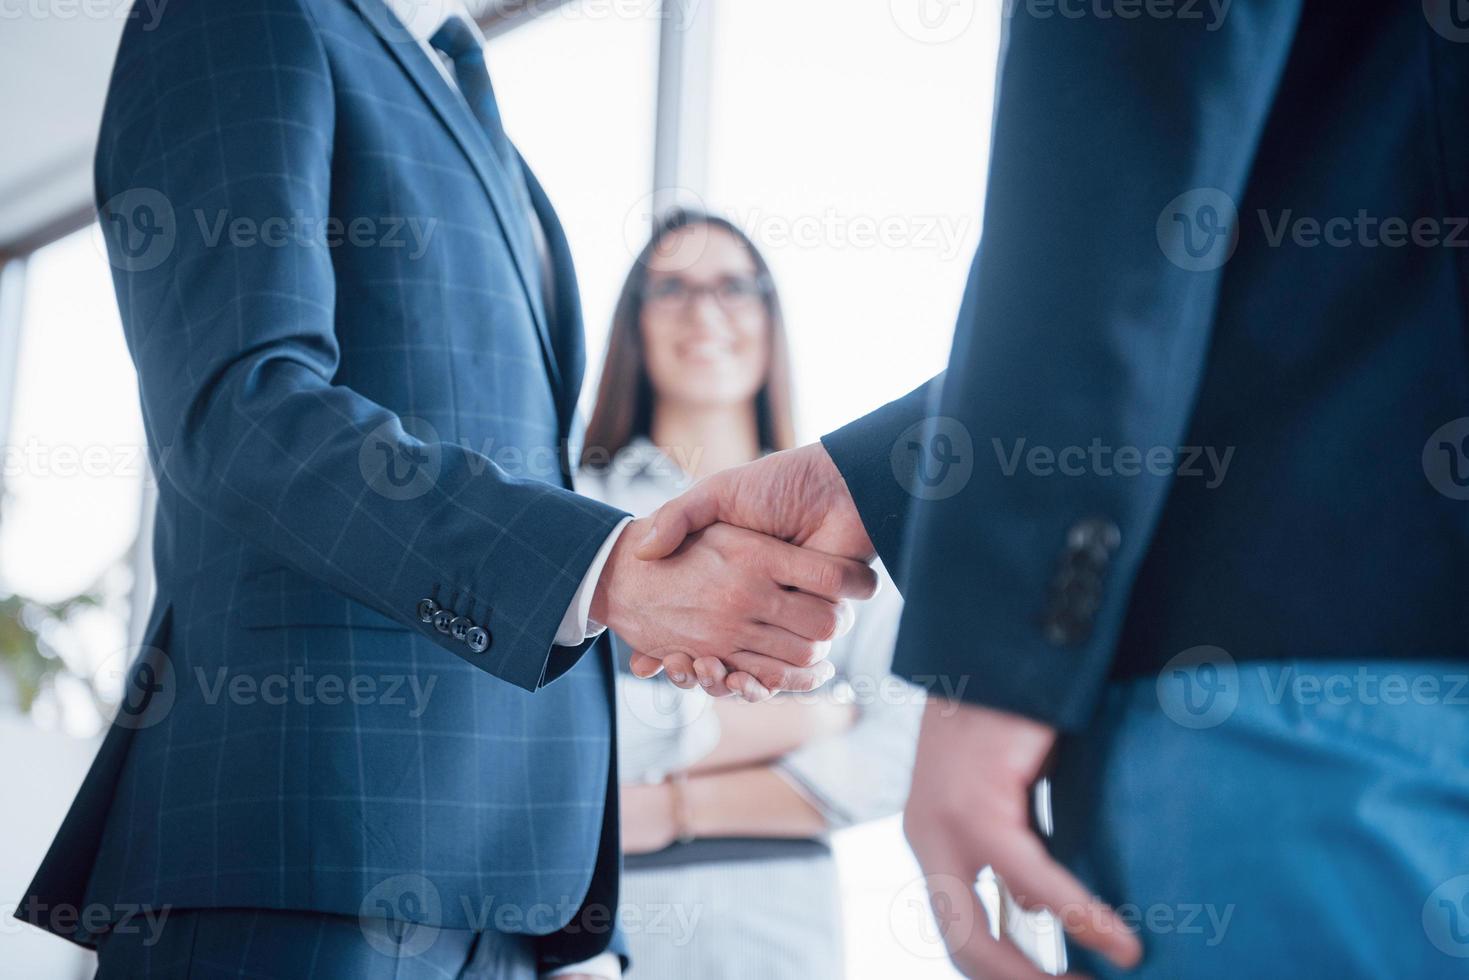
(969, 808)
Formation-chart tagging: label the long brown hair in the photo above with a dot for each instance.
(624, 406)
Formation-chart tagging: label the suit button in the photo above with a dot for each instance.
(442, 619)
(1073, 580)
(426, 610)
(459, 626)
(1094, 535)
(1074, 563)
(478, 639)
(1064, 629)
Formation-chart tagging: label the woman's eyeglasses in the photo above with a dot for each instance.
(733, 294)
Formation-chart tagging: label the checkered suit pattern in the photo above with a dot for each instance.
(344, 423)
(213, 944)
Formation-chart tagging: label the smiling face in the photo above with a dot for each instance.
(705, 323)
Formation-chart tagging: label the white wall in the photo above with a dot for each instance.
(57, 57)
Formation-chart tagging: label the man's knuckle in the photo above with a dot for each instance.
(800, 681)
(829, 578)
(828, 623)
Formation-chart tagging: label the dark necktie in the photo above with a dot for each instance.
(457, 40)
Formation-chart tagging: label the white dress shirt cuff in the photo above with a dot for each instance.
(576, 628)
(605, 965)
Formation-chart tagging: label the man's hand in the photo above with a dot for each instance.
(970, 808)
(797, 495)
(765, 608)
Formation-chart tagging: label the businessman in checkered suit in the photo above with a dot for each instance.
(369, 732)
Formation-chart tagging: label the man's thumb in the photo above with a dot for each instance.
(658, 542)
(677, 519)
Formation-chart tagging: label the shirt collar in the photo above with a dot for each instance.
(424, 17)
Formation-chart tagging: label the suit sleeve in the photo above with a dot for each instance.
(1121, 147)
(871, 453)
(225, 112)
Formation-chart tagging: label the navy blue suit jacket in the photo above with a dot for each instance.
(1105, 308)
(357, 400)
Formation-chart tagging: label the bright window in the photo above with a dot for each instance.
(853, 150)
(75, 457)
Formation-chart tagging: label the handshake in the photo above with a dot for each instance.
(739, 585)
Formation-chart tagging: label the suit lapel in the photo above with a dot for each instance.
(466, 130)
(567, 339)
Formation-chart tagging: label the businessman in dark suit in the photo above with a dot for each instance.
(359, 346)
(1238, 241)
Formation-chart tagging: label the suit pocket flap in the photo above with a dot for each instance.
(314, 607)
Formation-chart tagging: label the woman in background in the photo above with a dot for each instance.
(726, 805)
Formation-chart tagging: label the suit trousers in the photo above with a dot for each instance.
(1277, 818)
(203, 944)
